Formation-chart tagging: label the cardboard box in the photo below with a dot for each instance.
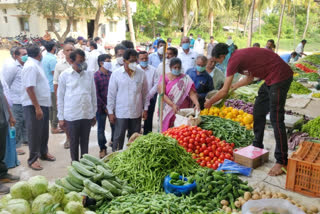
(251, 156)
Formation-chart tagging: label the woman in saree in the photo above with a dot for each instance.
(180, 93)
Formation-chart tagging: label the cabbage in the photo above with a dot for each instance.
(38, 185)
(4, 201)
(41, 202)
(71, 196)
(57, 193)
(89, 212)
(74, 208)
(21, 190)
(18, 206)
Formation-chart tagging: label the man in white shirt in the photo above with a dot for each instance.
(210, 47)
(172, 52)
(127, 99)
(100, 48)
(61, 66)
(187, 55)
(199, 45)
(118, 51)
(300, 48)
(36, 101)
(156, 58)
(152, 79)
(12, 76)
(77, 103)
(92, 60)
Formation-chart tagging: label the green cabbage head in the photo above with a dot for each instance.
(57, 193)
(74, 208)
(4, 201)
(71, 196)
(18, 206)
(38, 185)
(41, 202)
(21, 190)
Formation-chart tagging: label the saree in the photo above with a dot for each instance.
(178, 91)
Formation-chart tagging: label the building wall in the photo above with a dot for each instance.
(114, 29)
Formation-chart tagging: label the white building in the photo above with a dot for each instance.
(14, 21)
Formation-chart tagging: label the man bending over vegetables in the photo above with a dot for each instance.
(268, 66)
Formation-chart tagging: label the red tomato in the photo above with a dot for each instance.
(225, 149)
(206, 152)
(203, 140)
(189, 150)
(210, 148)
(217, 162)
(191, 140)
(204, 146)
(199, 160)
(219, 149)
(207, 158)
(228, 156)
(231, 159)
(230, 151)
(203, 163)
(222, 156)
(208, 140)
(214, 147)
(198, 147)
(203, 135)
(201, 154)
(210, 133)
(197, 151)
(190, 146)
(215, 166)
(184, 144)
(211, 155)
(217, 139)
(209, 165)
(217, 153)
(194, 132)
(194, 157)
(197, 139)
(215, 159)
(193, 136)
(232, 145)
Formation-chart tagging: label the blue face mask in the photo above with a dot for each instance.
(143, 64)
(24, 58)
(201, 69)
(158, 37)
(185, 46)
(176, 72)
(169, 44)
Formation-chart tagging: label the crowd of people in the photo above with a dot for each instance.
(81, 85)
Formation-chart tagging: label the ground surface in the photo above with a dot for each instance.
(57, 169)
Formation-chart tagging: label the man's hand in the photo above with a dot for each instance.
(39, 113)
(112, 118)
(145, 115)
(106, 111)
(62, 124)
(207, 104)
(93, 121)
(12, 121)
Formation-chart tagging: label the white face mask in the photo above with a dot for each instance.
(133, 66)
(107, 66)
(119, 60)
(160, 51)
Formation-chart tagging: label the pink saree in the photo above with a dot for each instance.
(178, 91)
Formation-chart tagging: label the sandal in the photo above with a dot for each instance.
(36, 166)
(48, 157)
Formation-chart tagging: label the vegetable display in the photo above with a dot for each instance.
(304, 68)
(240, 105)
(316, 95)
(311, 76)
(312, 127)
(175, 179)
(298, 88)
(149, 159)
(230, 113)
(208, 150)
(247, 93)
(227, 130)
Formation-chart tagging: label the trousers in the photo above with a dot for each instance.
(21, 130)
(101, 123)
(3, 142)
(53, 111)
(147, 128)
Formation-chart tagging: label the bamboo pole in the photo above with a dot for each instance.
(163, 88)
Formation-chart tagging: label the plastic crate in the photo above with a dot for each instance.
(303, 173)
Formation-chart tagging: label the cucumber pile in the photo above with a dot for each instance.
(93, 178)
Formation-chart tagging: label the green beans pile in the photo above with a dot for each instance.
(228, 130)
(155, 203)
(149, 159)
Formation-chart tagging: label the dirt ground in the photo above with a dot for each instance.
(258, 179)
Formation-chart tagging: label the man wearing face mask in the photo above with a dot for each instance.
(156, 58)
(202, 80)
(118, 51)
(101, 78)
(152, 79)
(155, 43)
(12, 77)
(36, 100)
(192, 41)
(77, 103)
(49, 64)
(188, 56)
(127, 99)
(92, 59)
(171, 53)
(272, 95)
(199, 45)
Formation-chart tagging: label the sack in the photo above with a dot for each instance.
(186, 117)
(177, 190)
(229, 166)
(11, 158)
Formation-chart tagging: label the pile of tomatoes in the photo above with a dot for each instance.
(208, 150)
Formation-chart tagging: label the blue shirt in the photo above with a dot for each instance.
(154, 59)
(286, 57)
(49, 62)
(203, 82)
(155, 44)
(192, 43)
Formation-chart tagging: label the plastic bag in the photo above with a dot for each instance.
(178, 190)
(277, 205)
(229, 166)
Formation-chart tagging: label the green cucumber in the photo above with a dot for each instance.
(107, 185)
(71, 181)
(87, 162)
(93, 159)
(106, 173)
(75, 176)
(67, 185)
(95, 187)
(81, 169)
(92, 194)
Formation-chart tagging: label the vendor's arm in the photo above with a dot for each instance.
(194, 97)
(221, 93)
(245, 81)
(167, 99)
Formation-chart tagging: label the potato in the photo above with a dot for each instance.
(224, 202)
(247, 196)
(224, 207)
(228, 210)
(262, 192)
(256, 197)
(274, 195)
(242, 202)
(237, 204)
(293, 202)
(240, 198)
(282, 195)
(314, 209)
(304, 208)
(269, 194)
(264, 196)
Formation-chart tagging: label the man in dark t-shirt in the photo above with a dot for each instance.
(268, 66)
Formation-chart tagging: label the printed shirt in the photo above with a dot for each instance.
(260, 63)
(127, 96)
(203, 82)
(102, 83)
(76, 97)
(49, 64)
(33, 75)
(154, 60)
(188, 59)
(12, 76)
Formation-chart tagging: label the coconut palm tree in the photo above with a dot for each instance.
(307, 21)
(283, 5)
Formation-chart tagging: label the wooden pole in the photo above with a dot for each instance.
(163, 88)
